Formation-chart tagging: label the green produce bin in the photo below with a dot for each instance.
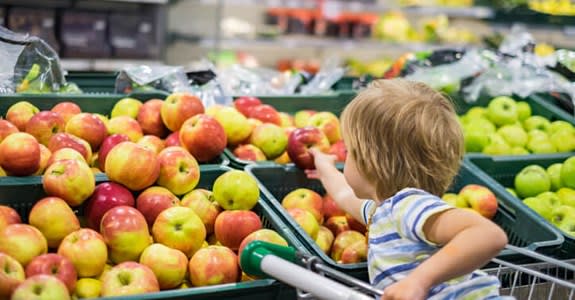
(22, 196)
(94, 82)
(522, 228)
(500, 172)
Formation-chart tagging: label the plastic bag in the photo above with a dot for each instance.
(30, 65)
(329, 73)
(240, 80)
(205, 83)
(149, 78)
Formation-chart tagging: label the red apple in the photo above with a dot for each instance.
(8, 216)
(125, 231)
(11, 275)
(179, 228)
(67, 110)
(89, 128)
(245, 104)
(344, 240)
(173, 139)
(40, 287)
(337, 224)
(44, 125)
(305, 199)
(179, 170)
(20, 154)
(203, 137)
(480, 199)
(6, 129)
(20, 113)
(266, 235)
(214, 265)
(45, 155)
(127, 126)
(354, 253)
(338, 149)
(266, 113)
(154, 200)
(66, 140)
(86, 249)
(150, 118)
(107, 145)
(330, 207)
(232, 226)
(54, 218)
(70, 179)
(203, 204)
(152, 142)
(106, 196)
(129, 278)
(132, 165)
(300, 140)
(355, 224)
(306, 220)
(249, 152)
(169, 265)
(179, 107)
(65, 153)
(23, 242)
(54, 265)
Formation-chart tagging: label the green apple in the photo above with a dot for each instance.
(536, 122)
(532, 181)
(550, 198)
(536, 134)
(566, 196)
(514, 135)
(559, 125)
(511, 191)
(519, 151)
(540, 206)
(236, 190)
(270, 138)
(236, 126)
(563, 140)
(561, 213)
(455, 200)
(477, 112)
(554, 172)
(475, 139)
(480, 124)
(126, 107)
(497, 146)
(502, 110)
(568, 173)
(523, 110)
(541, 146)
(568, 226)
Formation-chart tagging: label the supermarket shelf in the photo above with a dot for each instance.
(141, 1)
(72, 64)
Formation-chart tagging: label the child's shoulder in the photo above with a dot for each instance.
(410, 196)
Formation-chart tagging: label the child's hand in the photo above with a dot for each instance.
(406, 289)
(321, 161)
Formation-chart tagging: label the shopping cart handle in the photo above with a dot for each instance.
(254, 252)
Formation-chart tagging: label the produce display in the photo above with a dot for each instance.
(549, 192)
(507, 127)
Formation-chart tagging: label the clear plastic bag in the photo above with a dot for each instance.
(329, 73)
(147, 78)
(30, 65)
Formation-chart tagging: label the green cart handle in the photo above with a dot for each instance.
(254, 252)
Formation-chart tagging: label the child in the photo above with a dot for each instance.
(404, 147)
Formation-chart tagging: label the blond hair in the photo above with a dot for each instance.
(403, 134)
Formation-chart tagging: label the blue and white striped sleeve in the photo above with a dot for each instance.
(367, 209)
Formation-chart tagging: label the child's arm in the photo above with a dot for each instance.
(335, 184)
(470, 242)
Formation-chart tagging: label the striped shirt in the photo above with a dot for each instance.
(397, 245)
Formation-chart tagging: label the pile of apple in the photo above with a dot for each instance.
(336, 233)
(476, 198)
(263, 133)
(549, 192)
(506, 127)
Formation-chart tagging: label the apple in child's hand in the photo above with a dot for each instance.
(153, 143)
(154, 200)
(299, 142)
(214, 265)
(245, 104)
(67, 110)
(126, 107)
(86, 249)
(6, 129)
(20, 154)
(532, 181)
(232, 226)
(305, 199)
(23, 242)
(179, 228)
(20, 113)
(265, 113)
(107, 145)
(306, 220)
(89, 128)
(337, 224)
(236, 190)
(54, 218)
(8, 216)
(44, 125)
(324, 239)
(203, 137)
(132, 165)
(129, 278)
(249, 152)
(127, 126)
(150, 118)
(173, 139)
(87, 288)
(343, 241)
(203, 204)
(480, 199)
(355, 253)
(71, 180)
(11, 275)
(301, 118)
(328, 123)
(40, 287)
(179, 170)
(55, 265)
(266, 235)
(125, 231)
(169, 265)
(106, 196)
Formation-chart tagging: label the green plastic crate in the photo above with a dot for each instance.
(93, 82)
(501, 173)
(522, 228)
(22, 196)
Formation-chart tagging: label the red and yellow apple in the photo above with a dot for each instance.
(22, 242)
(54, 265)
(107, 145)
(178, 107)
(203, 204)
(354, 253)
(129, 107)
(54, 218)
(150, 118)
(179, 170)
(20, 113)
(129, 278)
(264, 234)
(287, 120)
(169, 265)
(65, 153)
(106, 196)
(20, 154)
(306, 220)
(11, 275)
(265, 113)
(324, 239)
(236, 190)
(67, 110)
(179, 228)
(245, 104)
(8, 216)
(203, 137)
(337, 224)
(70, 179)
(44, 125)
(87, 251)
(214, 265)
(345, 240)
(480, 199)
(125, 231)
(271, 139)
(249, 152)
(152, 142)
(127, 126)
(89, 128)
(154, 200)
(328, 123)
(305, 199)
(338, 149)
(6, 129)
(233, 226)
(300, 140)
(41, 287)
(132, 165)
(236, 126)
(301, 118)
(66, 140)
(173, 139)
(45, 155)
